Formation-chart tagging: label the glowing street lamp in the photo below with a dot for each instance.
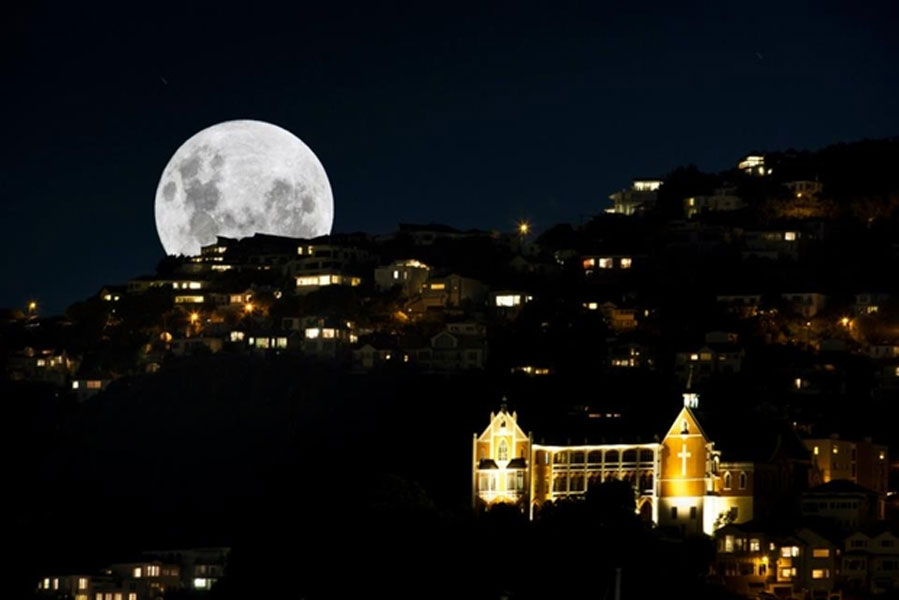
(249, 308)
(524, 228)
(32, 307)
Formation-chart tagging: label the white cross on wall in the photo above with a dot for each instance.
(684, 455)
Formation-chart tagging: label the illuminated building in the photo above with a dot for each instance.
(754, 164)
(408, 275)
(640, 197)
(682, 481)
(862, 462)
(723, 200)
(750, 559)
(448, 292)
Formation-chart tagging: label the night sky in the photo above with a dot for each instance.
(474, 117)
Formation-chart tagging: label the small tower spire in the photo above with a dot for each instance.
(691, 399)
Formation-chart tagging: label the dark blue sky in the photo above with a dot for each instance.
(470, 116)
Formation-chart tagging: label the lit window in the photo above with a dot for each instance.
(396, 274)
(281, 342)
(755, 545)
(194, 285)
(821, 553)
(41, 362)
(626, 263)
(606, 263)
(312, 333)
(438, 286)
(132, 596)
(117, 596)
(836, 449)
(237, 336)
(74, 385)
(82, 583)
(328, 334)
(137, 573)
(502, 451)
(785, 573)
(820, 573)
(790, 236)
(727, 481)
(816, 451)
(508, 300)
(589, 263)
(201, 583)
(694, 357)
(152, 570)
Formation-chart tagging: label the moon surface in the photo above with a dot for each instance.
(239, 178)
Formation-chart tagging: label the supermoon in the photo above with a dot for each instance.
(239, 178)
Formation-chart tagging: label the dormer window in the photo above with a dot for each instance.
(685, 428)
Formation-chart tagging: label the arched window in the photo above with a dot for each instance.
(727, 481)
(577, 458)
(594, 457)
(646, 456)
(612, 456)
(742, 480)
(502, 452)
(629, 456)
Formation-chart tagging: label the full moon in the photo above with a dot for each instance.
(239, 178)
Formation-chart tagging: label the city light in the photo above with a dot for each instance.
(524, 228)
(249, 308)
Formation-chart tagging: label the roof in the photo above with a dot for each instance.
(840, 486)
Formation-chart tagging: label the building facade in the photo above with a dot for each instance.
(678, 482)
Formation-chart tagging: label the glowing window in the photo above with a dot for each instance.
(328, 334)
(727, 481)
(41, 362)
(438, 286)
(132, 596)
(137, 573)
(785, 573)
(201, 583)
(626, 263)
(694, 357)
(281, 342)
(836, 449)
(821, 553)
(312, 333)
(94, 384)
(152, 570)
(396, 274)
(589, 263)
(74, 385)
(790, 236)
(194, 285)
(237, 336)
(606, 263)
(82, 583)
(502, 451)
(117, 596)
(755, 545)
(508, 300)
(816, 451)
(820, 573)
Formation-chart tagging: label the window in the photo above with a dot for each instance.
(82, 583)
(820, 573)
(728, 543)
(502, 451)
(606, 263)
(626, 263)
(152, 570)
(742, 480)
(755, 545)
(674, 513)
(821, 553)
(693, 513)
(727, 481)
